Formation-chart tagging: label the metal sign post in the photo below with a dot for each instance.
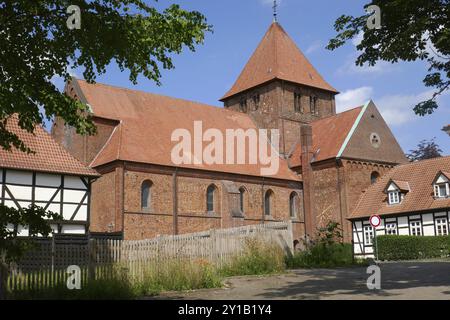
(375, 222)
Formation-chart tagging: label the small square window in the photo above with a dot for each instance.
(416, 228)
(394, 197)
(441, 190)
(368, 235)
(442, 227)
(391, 228)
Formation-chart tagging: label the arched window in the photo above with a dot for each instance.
(374, 177)
(242, 199)
(146, 195)
(293, 205)
(210, 193)
(268, 202)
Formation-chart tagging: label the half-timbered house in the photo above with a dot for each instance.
(48, 177)
(411, 199)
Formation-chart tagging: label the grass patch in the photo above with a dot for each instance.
(179, 276)
(102, 289)
(259, 258)
(324, 256)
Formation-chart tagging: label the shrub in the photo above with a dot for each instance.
(412, 247)
(322, 255)
(258, 258)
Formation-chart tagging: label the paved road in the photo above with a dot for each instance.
(424, 280)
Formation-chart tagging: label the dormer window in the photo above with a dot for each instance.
(396, 191)
(394, 197)
(442, 185)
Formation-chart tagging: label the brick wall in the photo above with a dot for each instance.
(192, 211)
(275, 109)
(103, 204)
(84, 148)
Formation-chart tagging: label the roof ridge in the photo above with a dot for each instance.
(337, 114)
(419, 162)
(202, 104)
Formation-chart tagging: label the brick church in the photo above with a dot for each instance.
(327, 159)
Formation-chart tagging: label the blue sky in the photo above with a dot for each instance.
(208, 73)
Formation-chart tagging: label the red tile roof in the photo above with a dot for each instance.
(401, 185)
(48, 155)
(147, 122)
(419, 175)
(277, 57)
(329, 135)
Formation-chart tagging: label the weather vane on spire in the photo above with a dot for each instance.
(275, 6)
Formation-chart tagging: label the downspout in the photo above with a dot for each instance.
(304, 215)
(263, 202)
(123, 199)
(175, 200)
(339, 182)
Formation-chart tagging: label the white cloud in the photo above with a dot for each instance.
(353, 98)
(359, 37)
(316, 45)
(397, 110)
(350, 67)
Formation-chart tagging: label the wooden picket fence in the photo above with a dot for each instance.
(45, 266)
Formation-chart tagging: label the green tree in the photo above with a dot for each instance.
(11, 246)
(425, 150)
(410, 30)
(36, 45)
(330, 234)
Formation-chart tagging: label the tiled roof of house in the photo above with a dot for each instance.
(277, 57)
(147, 122)
(445, 173)
(47, 156)
(419, 176)
(329, 134)
(402, 185)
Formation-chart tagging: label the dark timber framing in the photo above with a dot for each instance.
(7, 195)
(394, 218)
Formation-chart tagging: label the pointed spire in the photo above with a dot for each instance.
(277, 57)
(275, 14)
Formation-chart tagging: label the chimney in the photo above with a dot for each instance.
(308, 183)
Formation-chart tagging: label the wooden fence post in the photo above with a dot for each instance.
(92, 259)
(213, 248)
(53, 253)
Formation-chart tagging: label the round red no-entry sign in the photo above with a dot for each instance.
(375, 221)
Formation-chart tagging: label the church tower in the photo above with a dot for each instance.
(280, 89)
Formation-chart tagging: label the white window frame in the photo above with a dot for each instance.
(391, 228)
(441, 226)
(368, 235)
(394, 197)
(437, 190)
(415, 228)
